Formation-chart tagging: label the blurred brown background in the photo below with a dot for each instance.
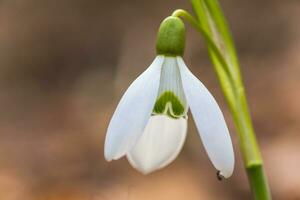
(64, 65)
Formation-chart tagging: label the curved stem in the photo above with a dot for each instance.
(229, 94)
(232, 87)
(184, 14)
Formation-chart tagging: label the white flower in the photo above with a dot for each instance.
(149, 125)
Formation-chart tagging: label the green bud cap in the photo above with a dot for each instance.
(171, 37)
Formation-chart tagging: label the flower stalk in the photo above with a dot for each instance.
(211, 24)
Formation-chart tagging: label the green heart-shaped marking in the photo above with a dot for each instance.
(168, 103)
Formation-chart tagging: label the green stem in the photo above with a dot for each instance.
(211, 22)
(258, 182)
(250, 150)
(184, 14)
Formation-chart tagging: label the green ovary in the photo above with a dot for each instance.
(168, 103)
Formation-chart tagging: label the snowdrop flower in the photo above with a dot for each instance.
(149, 125)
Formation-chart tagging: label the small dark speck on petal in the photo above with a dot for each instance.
(220, 176)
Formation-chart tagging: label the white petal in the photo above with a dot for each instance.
(209, 121)
(133, 112)
(159, 145)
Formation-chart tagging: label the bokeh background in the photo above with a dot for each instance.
(64, 65)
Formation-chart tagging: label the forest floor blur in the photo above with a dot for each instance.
(64, 66)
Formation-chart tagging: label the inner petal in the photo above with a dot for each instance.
(171, 100)
(159, 145)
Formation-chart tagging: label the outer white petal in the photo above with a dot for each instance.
(133, 112)
(209, 121)
(159, 145)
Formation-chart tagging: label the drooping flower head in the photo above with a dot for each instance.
(149, 125)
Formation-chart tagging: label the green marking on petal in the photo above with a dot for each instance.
(168, 103)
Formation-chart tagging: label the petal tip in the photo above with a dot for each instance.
(142, 168)
(221, 174)
(110, 155)
(145, 171)
(107, 157)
